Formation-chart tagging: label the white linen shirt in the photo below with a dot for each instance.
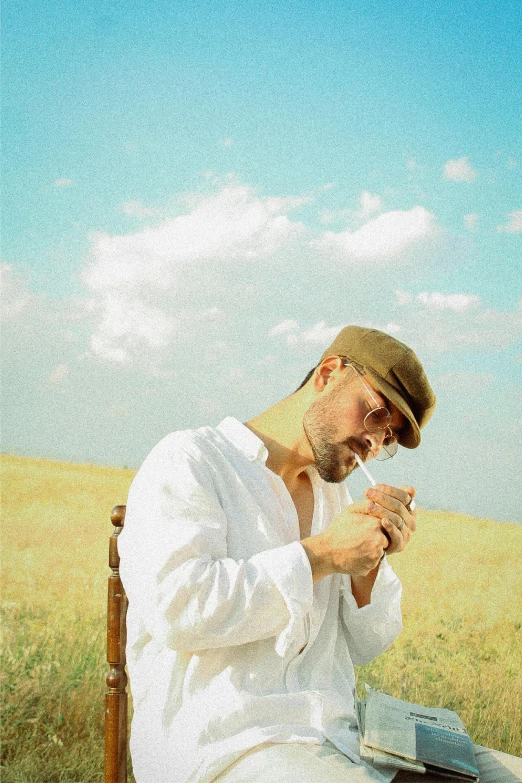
(230, 644)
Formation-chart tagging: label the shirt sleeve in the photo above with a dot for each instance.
(176, 572)
(371, 629)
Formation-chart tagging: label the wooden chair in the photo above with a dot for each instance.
(116, 708)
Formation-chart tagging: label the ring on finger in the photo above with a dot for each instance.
(401, 526)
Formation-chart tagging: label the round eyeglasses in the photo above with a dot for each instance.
(376, 420)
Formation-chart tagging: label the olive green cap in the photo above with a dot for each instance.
(395, 370)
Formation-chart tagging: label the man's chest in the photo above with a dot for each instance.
(303, 498)
(261, 512)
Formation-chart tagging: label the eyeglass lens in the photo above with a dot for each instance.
(387, 450)
(377, 419)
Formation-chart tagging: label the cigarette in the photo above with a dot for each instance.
(411, 504)
(365, 469)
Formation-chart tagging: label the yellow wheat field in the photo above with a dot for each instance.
(460, 648)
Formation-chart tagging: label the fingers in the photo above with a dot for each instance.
(393, 503)
(398, 538)
(376, 510)
(401, 494)
(411, 492)
(359, 507)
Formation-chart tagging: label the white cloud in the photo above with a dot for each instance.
(136, 209)
(233, 224)
(445, 323)
(320, 334)
(58, 375)
(369, 204)
(317, 335)
(286, 203)
(438, 301)
(514, 224)
(328, 216)
(289, 325)
(387, 237)
(226, 142)
(63, 182)
(498, 329)
(471, 221)
(133, 278)
(130, 327)
(459, 170)
(56, 402)
(403, 297)
(415, 169)
(390, 328)
(456, 302)
(15, 296)
(212, 313)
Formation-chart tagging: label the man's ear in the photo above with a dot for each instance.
(327, 371)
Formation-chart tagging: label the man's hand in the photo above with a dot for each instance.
(356, 540)
(352, 544)
(391, 506)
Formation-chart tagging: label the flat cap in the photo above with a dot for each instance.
(395, 370)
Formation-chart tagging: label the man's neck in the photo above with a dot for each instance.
(281, 430)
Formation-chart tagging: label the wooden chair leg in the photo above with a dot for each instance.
(116, 709)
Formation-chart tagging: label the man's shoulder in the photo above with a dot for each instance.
(228, 439)
(191, 442)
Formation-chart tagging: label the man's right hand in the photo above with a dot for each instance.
(353, 544)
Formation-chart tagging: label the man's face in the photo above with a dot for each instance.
(334, 426)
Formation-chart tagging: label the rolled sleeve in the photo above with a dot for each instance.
(371, 629)
(290, 570)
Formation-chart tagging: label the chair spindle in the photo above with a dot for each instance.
(116, 708)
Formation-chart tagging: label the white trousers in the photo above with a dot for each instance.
(307, 763)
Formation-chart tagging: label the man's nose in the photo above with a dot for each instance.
(374, 441)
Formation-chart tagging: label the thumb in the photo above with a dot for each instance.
(360, 507)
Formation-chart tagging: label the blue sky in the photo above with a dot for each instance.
(198, 195)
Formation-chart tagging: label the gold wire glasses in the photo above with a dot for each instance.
(376, 420)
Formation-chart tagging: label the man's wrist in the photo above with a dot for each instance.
(318, 556)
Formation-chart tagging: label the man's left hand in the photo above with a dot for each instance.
(391, 505)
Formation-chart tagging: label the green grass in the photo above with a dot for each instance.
(460, 648)
(55, 534)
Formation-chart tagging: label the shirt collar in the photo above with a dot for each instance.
(243, 439)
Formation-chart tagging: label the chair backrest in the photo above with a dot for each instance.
(116, 709)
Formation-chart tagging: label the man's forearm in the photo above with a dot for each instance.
(318, 555)
(321, 564)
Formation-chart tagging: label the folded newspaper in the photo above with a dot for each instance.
(394, 733)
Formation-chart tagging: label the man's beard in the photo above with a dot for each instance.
(328, 462)
(330, 457)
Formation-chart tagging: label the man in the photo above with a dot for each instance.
(255, 584)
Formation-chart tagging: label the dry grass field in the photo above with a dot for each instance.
(460, 648)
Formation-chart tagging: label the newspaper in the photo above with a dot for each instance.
(395, 733)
